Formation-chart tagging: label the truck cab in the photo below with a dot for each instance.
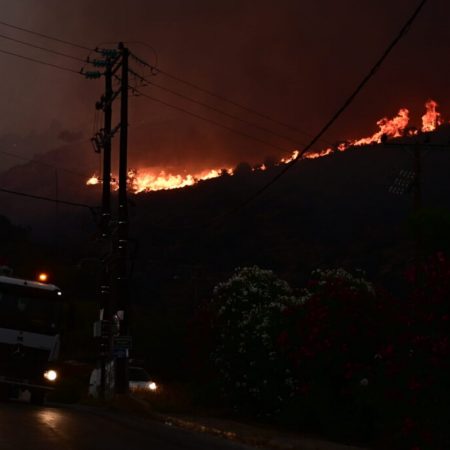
(30, 317)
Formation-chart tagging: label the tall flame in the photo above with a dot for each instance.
(389, 127)
(431, 119)
(147, 180)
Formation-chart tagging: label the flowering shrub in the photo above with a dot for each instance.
(342, 357)
(415, 370)
(372, 365)
(248, 317)
(331, 339)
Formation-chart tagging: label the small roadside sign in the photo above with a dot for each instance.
(120, 353)
(122, 342)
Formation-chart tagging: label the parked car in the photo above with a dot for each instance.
(140, 379)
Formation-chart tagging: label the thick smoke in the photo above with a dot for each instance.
(295, 61)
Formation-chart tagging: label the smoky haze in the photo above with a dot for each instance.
(293, 60)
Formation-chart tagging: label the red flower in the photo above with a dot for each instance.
(304, 389)
(348, 374)
(289, 311)
(440, 257)
(283, 339)
(388, 351)
(408, 425)
(410, 274)
(414, 385)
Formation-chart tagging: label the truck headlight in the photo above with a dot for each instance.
(152, 386)
(51, 375)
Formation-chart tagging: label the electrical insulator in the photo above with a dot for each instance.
(91, 75)
(107, 52)
(97, 62)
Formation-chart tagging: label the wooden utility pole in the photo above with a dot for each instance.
(114, 289)
(414, 183)
(107, 130)
(122, 230)
(417, 186)
(105, 288)
(102, 142)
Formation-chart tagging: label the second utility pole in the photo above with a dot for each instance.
(122, 229)
(106, 104)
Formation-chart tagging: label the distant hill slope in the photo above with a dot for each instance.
(59, 173)
(326, 211)
(336, 209)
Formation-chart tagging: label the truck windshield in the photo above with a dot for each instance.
(27, 312)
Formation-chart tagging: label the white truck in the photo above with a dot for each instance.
(30, 316)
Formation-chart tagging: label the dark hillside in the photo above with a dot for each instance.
(330, 211)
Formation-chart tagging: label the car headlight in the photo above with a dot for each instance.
(152, 386)
(51, 375)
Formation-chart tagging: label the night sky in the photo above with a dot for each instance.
(293, 60)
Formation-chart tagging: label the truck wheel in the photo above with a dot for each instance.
(37, 397)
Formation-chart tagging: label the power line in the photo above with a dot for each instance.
(156, 70)
(338, 113)
(174, 77)
(217, 110)
(46, 36)
(45, 49)
(36, 161)
(38, 61)
(153, 68)
(205, 119)
(287, 167)
(48, 199)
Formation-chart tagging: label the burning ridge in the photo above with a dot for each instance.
(148, 180)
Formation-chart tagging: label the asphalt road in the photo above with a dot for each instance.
(27, 427)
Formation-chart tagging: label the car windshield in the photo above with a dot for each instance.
(27, 312)
(138, 374)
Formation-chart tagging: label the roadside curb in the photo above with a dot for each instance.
(249, 435)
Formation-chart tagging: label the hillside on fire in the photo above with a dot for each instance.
(333, 211)
(338, 209)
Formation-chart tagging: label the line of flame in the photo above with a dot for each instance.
(146, 180)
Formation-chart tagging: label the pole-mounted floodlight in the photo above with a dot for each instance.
(403, 183)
